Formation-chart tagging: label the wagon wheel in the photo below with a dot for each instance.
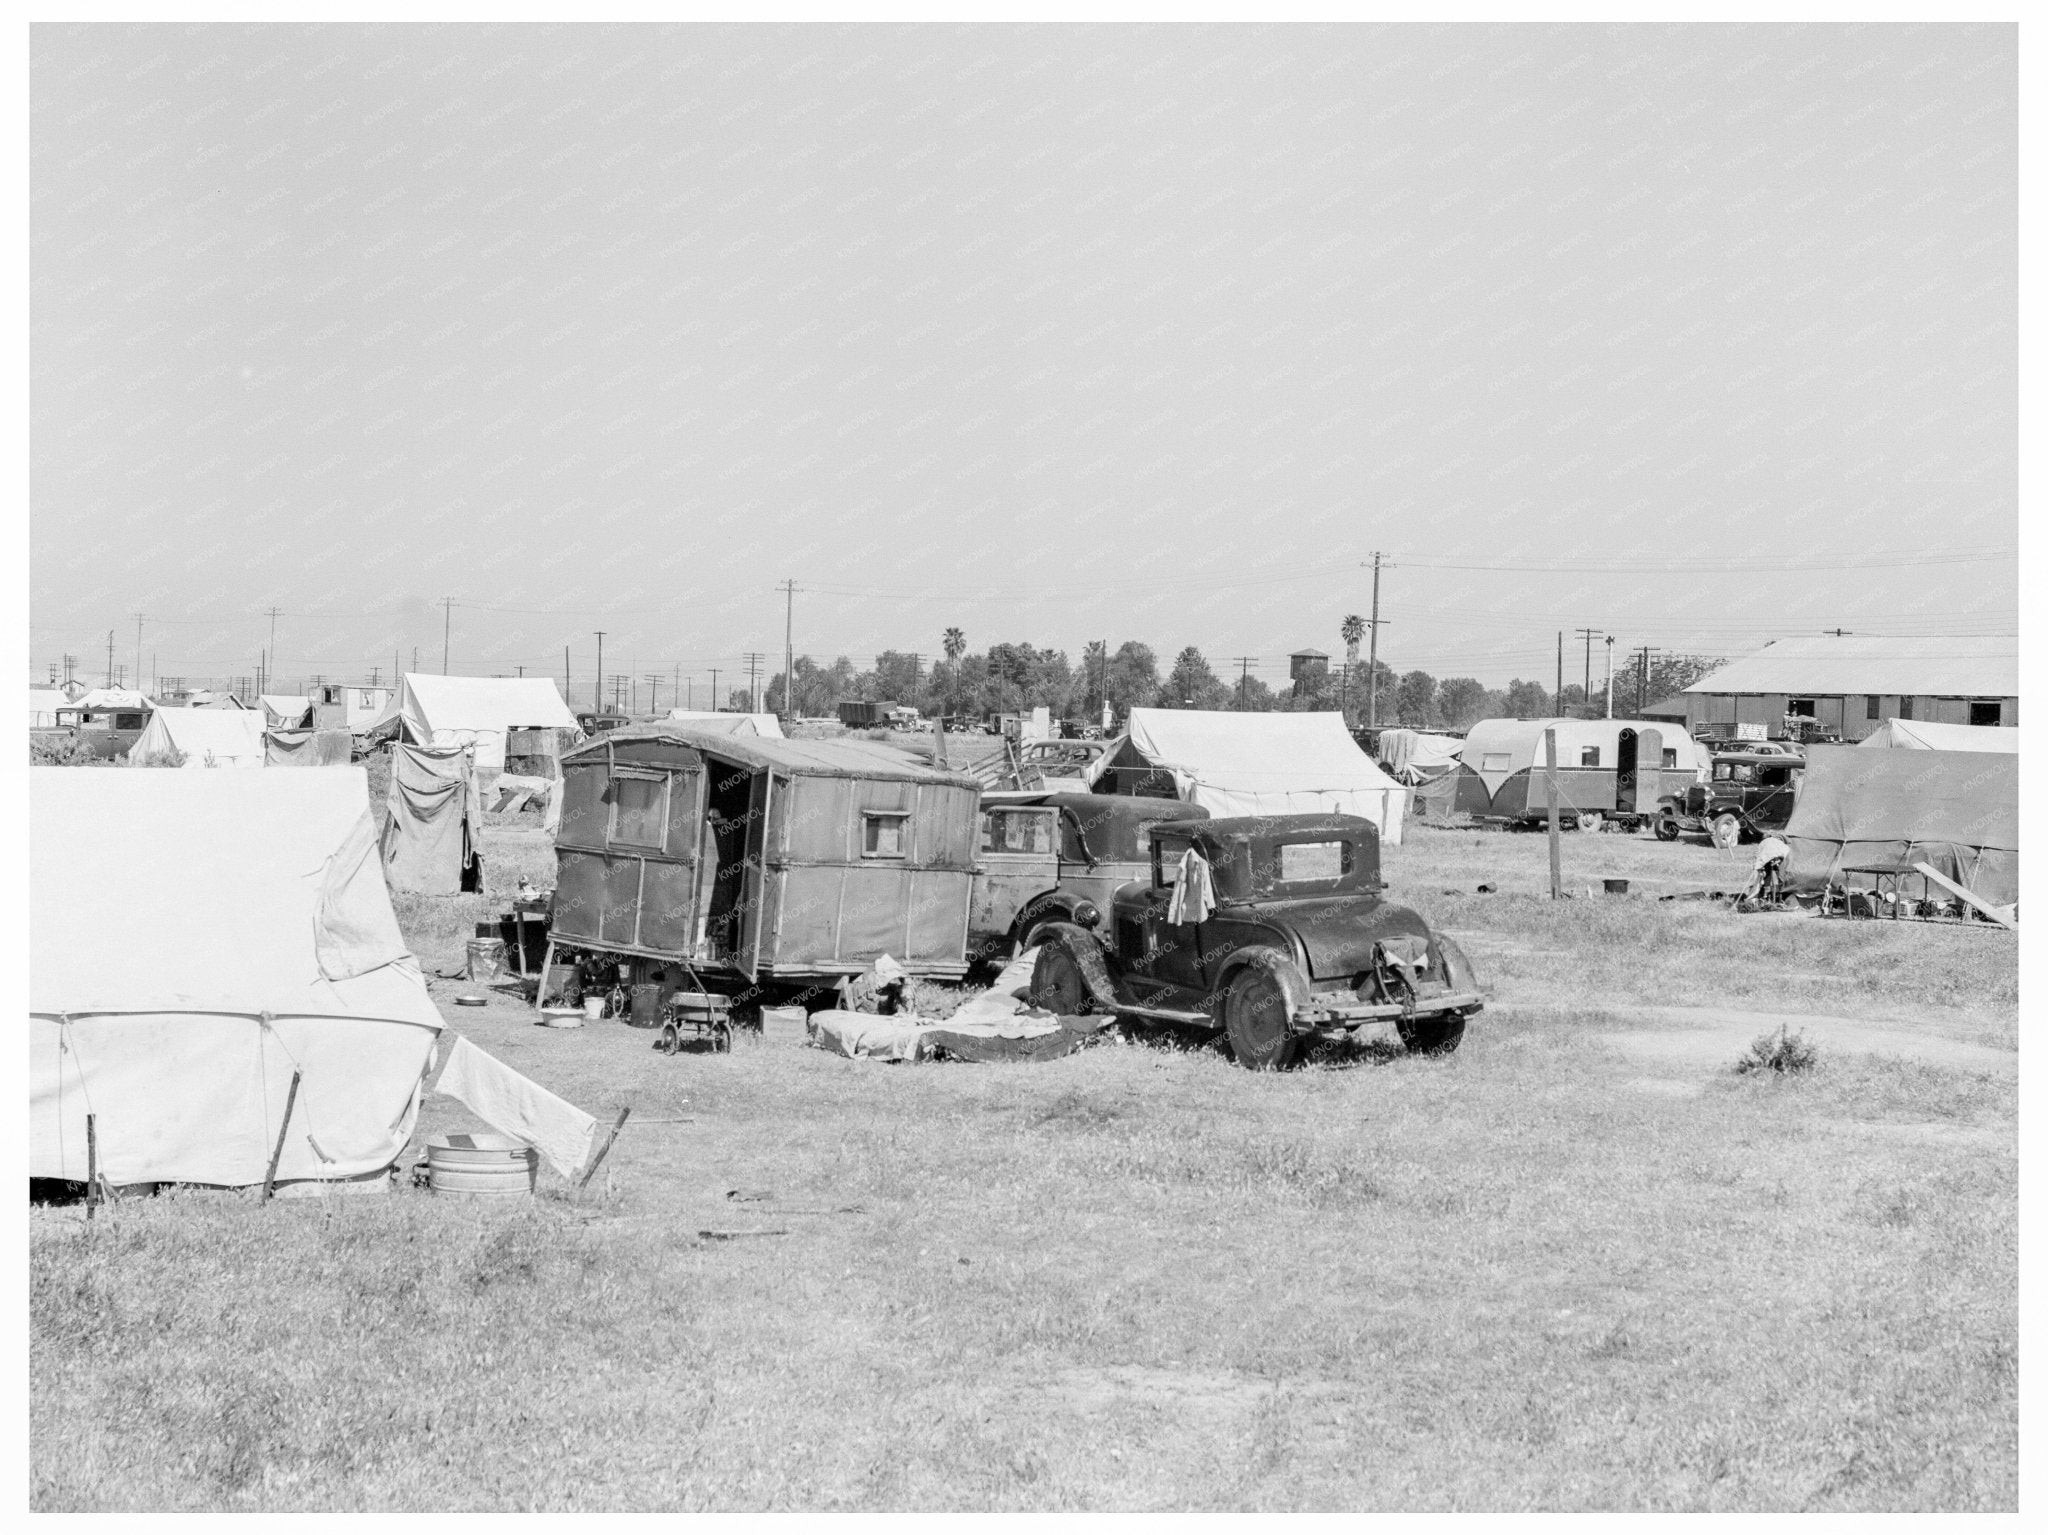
(670, 1042)
(721, 1035)
(1727, 829)
(1255, 1018)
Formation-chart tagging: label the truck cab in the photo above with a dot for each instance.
(1747, 795)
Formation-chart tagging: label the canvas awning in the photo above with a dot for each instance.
(1412, 756)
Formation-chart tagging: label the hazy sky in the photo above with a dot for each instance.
(1051, 333)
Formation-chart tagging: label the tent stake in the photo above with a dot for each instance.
(602, 1151)
(277, 1151)
(92, 1166)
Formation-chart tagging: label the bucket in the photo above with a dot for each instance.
(593, 1008)
(1615, 886)
(486, 958)
(646, 1005)
(481, 1166)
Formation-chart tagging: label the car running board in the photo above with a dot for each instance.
(1167, 1014)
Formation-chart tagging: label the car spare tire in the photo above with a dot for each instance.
(1057, 984)
(1432, 1033)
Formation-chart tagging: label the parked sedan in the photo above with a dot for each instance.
(1272, 931)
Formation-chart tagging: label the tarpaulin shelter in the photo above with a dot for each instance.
(1928, 735)
(433, 821)
(729, 723)
(43, 704)
(286, 711)
(1606, 766)
(478, 712)
(768, 859)
(225, 738)
(1415, 756)
(1957, 811)
(194, 938)
(307, 748)
(1253, 764)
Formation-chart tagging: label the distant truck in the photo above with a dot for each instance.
(1747, 795)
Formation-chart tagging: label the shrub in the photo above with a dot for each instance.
(1787, 1053)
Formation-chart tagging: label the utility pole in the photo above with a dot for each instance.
(1244, 681)
(447, 622)
(654, 692)
(714, 690)
(1586, 688)
(597, 698)
(1643, 676)
(1610, 676)
(1550, 789)
(567, 696)
(754, 660)
(264, 683)
(138, 650)
(788, 651)
(1372, 664)
(1557, 698)
(110, 658)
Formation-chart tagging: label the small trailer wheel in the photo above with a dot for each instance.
(670, 1042)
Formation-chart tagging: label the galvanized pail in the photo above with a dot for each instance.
(481, 1166)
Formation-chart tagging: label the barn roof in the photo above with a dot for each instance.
(1982, 667)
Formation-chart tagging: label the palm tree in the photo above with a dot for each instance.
(1353, 630)
(955, 644)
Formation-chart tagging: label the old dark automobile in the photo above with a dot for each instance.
(1747, 795)
(1297, 944)
(1042, 857)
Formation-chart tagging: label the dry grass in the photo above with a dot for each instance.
(1522, 1277)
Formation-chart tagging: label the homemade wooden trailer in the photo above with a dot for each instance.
(720, 863)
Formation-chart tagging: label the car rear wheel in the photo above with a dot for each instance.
(1057, 984)
(1255, 1020)
(1727, 829)
(1667, 829)
(1432, 1034)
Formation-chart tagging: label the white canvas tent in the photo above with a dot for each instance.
(43, 704)
(1926, 735)
(231, 738)
(1259, 764)
(731, 724)
(286, 711)
(194, 938)
(433, 710)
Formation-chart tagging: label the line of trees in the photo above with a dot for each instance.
(1018, 676)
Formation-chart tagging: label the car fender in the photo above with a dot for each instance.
(1088, 954)
(1058, 905)
(1285, 968)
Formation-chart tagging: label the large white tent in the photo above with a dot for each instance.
(1259, 764)
(1928, 735)
(433, 710)
(729, 722)
(231, 738)
(195, 938)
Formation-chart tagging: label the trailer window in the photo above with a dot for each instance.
(885, 835)
(639, 810)
(1497, 762)
(1589, 756)
(1017, 831)
(1671, 756)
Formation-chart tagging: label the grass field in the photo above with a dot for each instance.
(1580, 1264)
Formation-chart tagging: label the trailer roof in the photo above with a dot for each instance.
(810, 759)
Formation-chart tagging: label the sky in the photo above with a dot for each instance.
(1696, 336)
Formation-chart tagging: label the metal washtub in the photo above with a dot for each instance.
(481, 1166)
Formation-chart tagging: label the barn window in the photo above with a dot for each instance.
(885, 834)
(1905, 707)
(1873, 706)
(1799, 708)
(639, 809)
(1984, 711)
